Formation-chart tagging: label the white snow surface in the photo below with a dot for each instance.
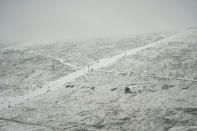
(54, 85)
(98, 100)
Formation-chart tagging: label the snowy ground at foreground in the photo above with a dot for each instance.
(98, 100)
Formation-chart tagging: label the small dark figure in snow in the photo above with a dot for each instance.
(127, 90)
(88, 67)
(48, 89)
(9, 105)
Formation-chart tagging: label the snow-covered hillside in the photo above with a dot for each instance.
(26, 67)
(151, 86)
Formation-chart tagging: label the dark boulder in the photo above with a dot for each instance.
(127, 90)
(92, 88)
(113, 89)
(166, 86)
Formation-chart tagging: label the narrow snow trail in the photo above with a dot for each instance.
(54, 58)
(60, 60)
(54, 85)
(148, 75)
(47, 56)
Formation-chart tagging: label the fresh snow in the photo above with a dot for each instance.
(54, 85)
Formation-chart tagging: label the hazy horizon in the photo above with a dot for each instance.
(58, 20)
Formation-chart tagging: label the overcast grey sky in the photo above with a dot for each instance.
(51, 20)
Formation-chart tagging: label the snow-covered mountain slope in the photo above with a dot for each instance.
(21, 72)
(80, 53)
(151, 89)
(26, 68)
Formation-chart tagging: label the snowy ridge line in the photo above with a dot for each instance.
(59, 83)
(144, 75)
